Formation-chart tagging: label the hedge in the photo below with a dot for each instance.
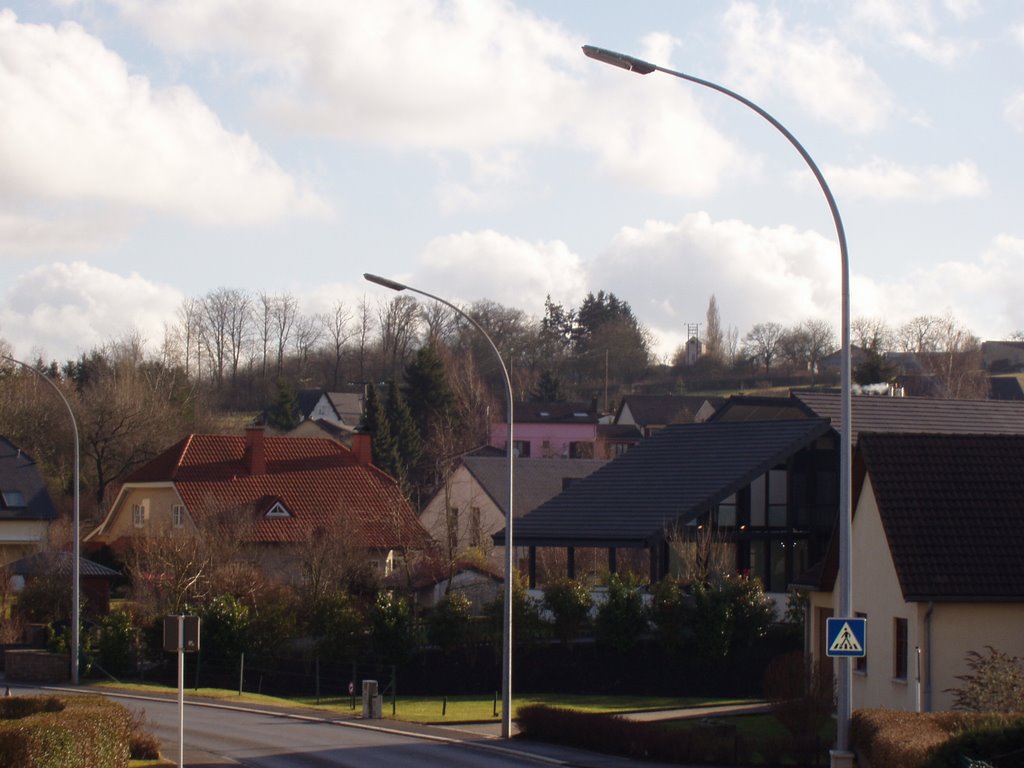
(63, 732)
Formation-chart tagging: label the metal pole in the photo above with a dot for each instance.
(76, 544)
(845, 699)
(181, 691)
(506, 632)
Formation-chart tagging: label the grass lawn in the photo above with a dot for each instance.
(457, 709)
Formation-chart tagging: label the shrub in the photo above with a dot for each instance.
(114, 645)
(74, 732)
(906, 739)
(995, 684)
(449, 624)
(338, 625)
(569, 602)
(995, 738)
(225, 628)
(526, 623)
(731, 613)
(622, 618)
(669, 614)
(392, 630)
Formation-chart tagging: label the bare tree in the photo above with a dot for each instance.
(308, 332)
(398, 324)
(284, 311)
(363, 333)
(871, 333)
(190, 320)
(338, 327)
(920, 334)
(713, 335)
(762, 343)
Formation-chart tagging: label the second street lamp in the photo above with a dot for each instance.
(506, 633)
(842, 755)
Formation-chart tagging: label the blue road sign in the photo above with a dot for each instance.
(845, 637)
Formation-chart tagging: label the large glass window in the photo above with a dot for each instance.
(757, 510)
(777, 577)
(521, 448)
(727, 511)
(778, 495)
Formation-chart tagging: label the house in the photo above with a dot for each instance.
(1003, 356)
(757, 484)
(472, 506)
(277, 493)
(339, 433)
(649, 413)
(937, 536)
(26, 510)
(561, 431)
(765, 492)
(94, 579)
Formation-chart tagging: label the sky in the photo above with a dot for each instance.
(156, 150)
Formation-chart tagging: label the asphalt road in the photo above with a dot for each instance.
(219, 735)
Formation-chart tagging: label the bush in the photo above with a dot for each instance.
(731, 613)
(392, 630)
(72, 732)
(996, 683)
(569, 602)
(225, 629)
(338, 626)
(114, 646)
(449, 624)
(622, 618)
(669, 615)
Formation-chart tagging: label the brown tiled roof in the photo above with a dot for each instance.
(317, 480)
(952, 507)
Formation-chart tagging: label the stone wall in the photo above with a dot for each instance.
(34, 666)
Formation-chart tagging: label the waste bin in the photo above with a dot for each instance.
(372, 704)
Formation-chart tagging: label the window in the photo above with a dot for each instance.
(727, 511)
(860, 663)
(757, 489)
(521, 449)
(138, 515)
(476, 531)
(178, 515)
(777, 498)
(278, 510)
(13, 499)
(899, 649)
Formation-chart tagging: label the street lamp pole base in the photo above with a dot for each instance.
(841, 758)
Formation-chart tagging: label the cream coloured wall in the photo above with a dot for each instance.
(464, 494)
(158, 499)
(944, 640)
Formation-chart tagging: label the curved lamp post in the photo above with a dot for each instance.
(76, 542)
(506, 634)
(845, 702)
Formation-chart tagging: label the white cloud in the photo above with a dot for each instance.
(811, 66)
(511, 271)
(453, 75)
(67, 309)
(883, 180)
(77, 126)
(1014, 111)
(912, 25)
(24, 235)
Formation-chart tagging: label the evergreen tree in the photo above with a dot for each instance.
(406, 439)
(283, 413)
(376, 423)
(548, 389)
(427, 391)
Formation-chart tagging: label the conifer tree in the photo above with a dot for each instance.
(406, 440)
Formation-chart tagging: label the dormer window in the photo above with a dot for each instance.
(278, 510)
(13, 499)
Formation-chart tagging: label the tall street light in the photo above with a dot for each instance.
(506, 633)
(842, 755)
(76, 541)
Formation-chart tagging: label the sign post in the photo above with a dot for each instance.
(181, 634)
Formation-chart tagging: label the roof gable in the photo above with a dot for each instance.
(24, 495)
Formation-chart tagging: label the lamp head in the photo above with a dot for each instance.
(619, 60)
(392, 284)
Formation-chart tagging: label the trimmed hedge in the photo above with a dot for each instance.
(63, 732)
(937, 739)
(712, 744)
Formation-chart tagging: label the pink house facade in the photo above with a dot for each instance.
(561, 431)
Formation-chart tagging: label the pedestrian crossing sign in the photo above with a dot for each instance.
(845, 637)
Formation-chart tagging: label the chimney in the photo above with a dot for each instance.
(362, 447)
(255, 451)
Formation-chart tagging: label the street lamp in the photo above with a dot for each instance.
(506, 636)
(76, 542)
(841, 756)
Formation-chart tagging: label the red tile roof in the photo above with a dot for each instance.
(317, 480)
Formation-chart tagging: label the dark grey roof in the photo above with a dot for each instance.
(667, 479)
(536, 480)
(952, 507)
(47, 563)
(19, 472)
(664, 409)
(559, 413)
(308, 398)
(921, 415)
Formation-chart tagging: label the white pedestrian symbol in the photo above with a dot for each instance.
(846, 641)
